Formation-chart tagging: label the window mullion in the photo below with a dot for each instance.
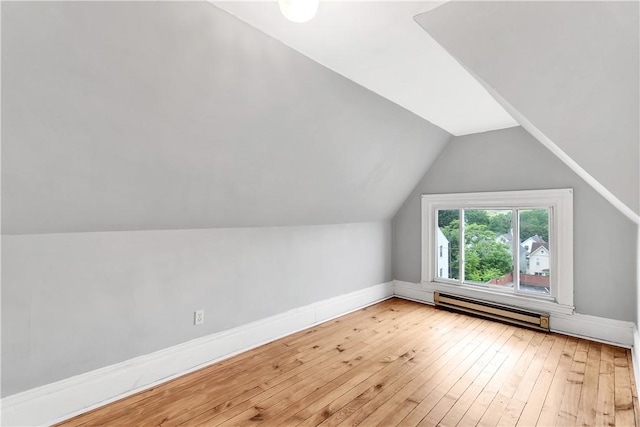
(515, 241)
(461, 255)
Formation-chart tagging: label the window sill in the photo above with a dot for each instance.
(520, 301)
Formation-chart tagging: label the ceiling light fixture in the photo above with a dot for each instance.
(299, 10)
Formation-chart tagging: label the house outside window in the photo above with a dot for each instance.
(443, 256)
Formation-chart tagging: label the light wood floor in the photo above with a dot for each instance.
(398, 363)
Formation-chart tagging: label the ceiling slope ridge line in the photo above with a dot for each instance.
(319, 43)
(333, 70)
(416, 188)
(557, 151)
(547, 142)
(196, 229)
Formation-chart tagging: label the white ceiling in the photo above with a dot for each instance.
(378, 45)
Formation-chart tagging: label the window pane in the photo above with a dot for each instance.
(535, 251)
(448, 244)
(488, 246)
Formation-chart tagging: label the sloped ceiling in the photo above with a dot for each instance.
(568, 71)
(378, 45)
(156, 115)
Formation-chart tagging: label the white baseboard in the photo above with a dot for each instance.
(413, 292)
(634, 358)
(63, 399)
(595, 328)
(602, 329)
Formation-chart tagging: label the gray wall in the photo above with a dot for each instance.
(156, 115)
(570, 67)
(74, 302)
(604, 239)
(138, 139)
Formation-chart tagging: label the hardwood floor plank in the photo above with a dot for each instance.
(318, 411)
(623, 397)
(450, 396)
(568, 413)
(513, 353)
(465, 401)
(533, 406)
(393, 396)
(499, 403)
(518, 400)
(371, 398)
(402, 347)
(455, 365)
(551, 406)
(396, 363)
(589, 393)
(605, 405)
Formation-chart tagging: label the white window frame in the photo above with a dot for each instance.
(560, 204)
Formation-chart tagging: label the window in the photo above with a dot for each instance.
(511, 247)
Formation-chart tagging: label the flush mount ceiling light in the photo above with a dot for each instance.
(298, 10)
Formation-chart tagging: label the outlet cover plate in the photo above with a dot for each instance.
(198, 317)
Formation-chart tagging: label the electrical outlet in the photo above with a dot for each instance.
(198, 317)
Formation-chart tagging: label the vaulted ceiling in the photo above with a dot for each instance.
(155, 115)
(568, 71)
(378, 45)
(160, 115)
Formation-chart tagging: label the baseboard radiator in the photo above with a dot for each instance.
(492, 310)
